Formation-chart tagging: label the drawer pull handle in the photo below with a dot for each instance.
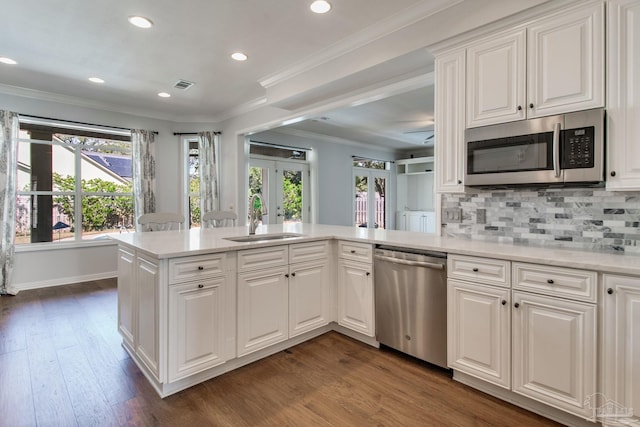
(475, 269)
(504, 302)
(293, 274)
(200, 268)
(352, 251)
(368, 273)
(610, 291)
(201, 286)
(286, 275)
(516, 305)
(550, 281)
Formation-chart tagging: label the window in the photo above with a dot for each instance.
(191, 191)
(73, 185)
(370, 192)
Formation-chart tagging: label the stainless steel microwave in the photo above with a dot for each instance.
(565, 149)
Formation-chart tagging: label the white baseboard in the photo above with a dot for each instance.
(15, 288)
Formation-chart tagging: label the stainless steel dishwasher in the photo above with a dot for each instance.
(411, 302)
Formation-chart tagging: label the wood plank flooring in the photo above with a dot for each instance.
(61, 364)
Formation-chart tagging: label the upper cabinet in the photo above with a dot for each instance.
(623, 92)
(449, 121)
(550, 66)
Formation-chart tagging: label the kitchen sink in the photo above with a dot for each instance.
(263, 237)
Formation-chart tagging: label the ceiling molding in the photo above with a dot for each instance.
(334, 139)
(394, 23)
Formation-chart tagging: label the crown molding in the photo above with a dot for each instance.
(334, 139)
(393, 23)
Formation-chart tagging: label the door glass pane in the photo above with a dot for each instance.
(380, 185)
(361, 202)
(194, 185)
(292, 196)
(259, 184)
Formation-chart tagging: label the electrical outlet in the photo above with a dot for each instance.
(481, 216)
(453, 215)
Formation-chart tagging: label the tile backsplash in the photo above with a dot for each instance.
(583, 218)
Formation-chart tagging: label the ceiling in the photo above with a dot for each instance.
(59, 44)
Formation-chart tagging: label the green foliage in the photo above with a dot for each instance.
(194, 201)
(292, 188)
(98, 212)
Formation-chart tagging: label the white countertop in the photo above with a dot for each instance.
(171, 244)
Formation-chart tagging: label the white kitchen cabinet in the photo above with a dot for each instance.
(309, 296)
(620, 356)
(496, 70)
(554, 351)
(355, 296)
(126, 295)
(196, 327)
(553, 65)
(450, 121)
(623, 91)
(419, 221)
(263, 308)
(147, 339)
(479, 331)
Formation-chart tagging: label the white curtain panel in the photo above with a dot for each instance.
(9, 134)
(207, 143)
(144, 172)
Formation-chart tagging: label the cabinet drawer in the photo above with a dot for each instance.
(495, 272)
(254, 259)
(555, 281)
(355, 251)
(196, 267)
(313, 251)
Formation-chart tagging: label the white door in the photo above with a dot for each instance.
(554, 351)
(285, 187)
(566, 62)
(479, 331)
(126, 295)
(355, 296)
(147, 335)
(621, 351)
(263, 308)
(496, 80)
(370, 195)
(196, 327)
(309, 305)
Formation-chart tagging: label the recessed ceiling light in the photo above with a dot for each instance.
(141, 21)
(96, 80)
(239, 56)
(320, 6)
(7, 61)
(164, 95)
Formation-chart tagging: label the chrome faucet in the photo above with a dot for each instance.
(253, 217)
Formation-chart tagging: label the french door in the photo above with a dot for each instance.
(370, 198)
(284, 185)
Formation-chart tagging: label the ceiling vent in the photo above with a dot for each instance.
(183, 84)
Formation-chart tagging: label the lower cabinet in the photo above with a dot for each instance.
(554, 351)
(126, 300)
(355, 296)
(479, 331)
(147, 337)
(263, 306)
(620, 366)
(196, 327)
(309, 296)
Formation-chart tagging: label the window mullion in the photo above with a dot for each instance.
(77, 206)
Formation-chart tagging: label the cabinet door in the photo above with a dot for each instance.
(309, 293)
(415, 221)
(263, 306)
(126, 295)
(554, 351)
(196, 327)
(566, 62)
(496, 80)
(148, 297)
(621, 351)
(623, 93)
(479, 331)
(449, 121)
(355, 296)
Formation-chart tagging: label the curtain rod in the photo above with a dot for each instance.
(368, 158)
(76, 123)
(194, 133)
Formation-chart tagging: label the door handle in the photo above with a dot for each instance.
(556, 150)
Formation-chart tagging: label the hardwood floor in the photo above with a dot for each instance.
(61, 364)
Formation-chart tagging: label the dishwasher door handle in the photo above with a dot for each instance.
(411, 263)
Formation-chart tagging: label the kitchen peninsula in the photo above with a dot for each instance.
(195, 304)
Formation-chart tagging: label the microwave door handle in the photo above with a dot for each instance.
(556, 149)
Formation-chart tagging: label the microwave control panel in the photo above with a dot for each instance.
(578, 148)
